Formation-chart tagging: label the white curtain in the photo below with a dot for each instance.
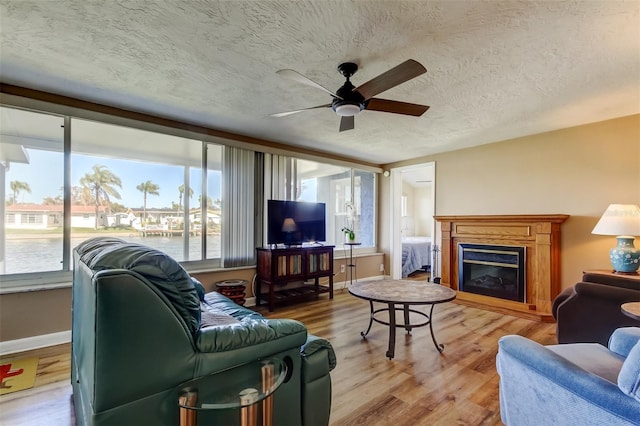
(282, 175)
(241, 208)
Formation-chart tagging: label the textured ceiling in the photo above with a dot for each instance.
(496, 69)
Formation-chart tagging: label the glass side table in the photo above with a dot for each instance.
(240, 387)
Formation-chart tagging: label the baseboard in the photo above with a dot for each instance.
(35, 342)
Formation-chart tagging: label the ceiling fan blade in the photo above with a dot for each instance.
(346, 123)
(296, 76)
(404, 72)
(385, 105)
(283, 114)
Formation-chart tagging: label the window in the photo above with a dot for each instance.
(32, 173)
(349, 195)
(136, 185)
(364, 202)
(31, 218)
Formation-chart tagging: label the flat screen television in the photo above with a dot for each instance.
(295, 222)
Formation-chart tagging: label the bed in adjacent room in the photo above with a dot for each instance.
(416, 255)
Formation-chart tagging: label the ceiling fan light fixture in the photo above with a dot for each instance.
(347, 110)
(349, 100)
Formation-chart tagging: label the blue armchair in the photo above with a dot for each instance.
(572, 384)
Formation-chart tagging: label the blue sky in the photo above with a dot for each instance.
(44, 176)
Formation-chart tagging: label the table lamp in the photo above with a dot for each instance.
(289, 227)
(622, 220)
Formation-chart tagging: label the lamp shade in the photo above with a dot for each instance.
(619, 219)
(289, 225)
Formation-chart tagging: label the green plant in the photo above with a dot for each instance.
(349, 233)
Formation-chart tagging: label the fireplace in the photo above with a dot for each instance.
(492, 270)
(536, 239)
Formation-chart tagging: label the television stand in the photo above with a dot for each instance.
(283, 265)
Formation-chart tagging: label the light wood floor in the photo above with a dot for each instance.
(418, 387)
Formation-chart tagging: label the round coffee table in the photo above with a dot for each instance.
(632, 310)
(405, 293)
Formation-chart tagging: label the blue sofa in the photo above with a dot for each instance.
(141, 326)
(573, 384)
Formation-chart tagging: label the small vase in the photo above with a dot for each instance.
(625, 258)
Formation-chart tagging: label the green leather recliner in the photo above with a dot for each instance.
(142, 326)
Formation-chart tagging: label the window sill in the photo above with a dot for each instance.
(204, 270)
(32, 286)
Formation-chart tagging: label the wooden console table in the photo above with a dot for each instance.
(280, 266)
(610, 273)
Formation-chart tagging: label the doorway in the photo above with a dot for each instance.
(412, 223)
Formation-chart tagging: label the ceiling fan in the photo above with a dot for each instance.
(349, 100)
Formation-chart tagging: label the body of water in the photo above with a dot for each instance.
(25, 255)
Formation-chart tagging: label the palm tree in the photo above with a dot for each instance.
(151, 188)
(181, 191)
(17, 187)
(101, 184)
(81, 195)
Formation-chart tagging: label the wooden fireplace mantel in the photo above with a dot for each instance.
(540, 234)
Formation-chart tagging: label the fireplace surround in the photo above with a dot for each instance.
(539, 238)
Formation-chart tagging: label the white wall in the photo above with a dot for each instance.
(423, 210)
(419, 210)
